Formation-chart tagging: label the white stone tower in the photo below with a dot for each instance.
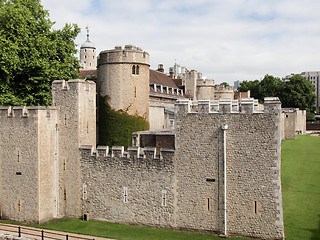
(88, 58)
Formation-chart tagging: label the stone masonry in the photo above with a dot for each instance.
(183, 186)
(218, 171)
(39, 154)
(123, 79)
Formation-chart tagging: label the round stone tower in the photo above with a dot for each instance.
(88, 54)
(123, 79)
(205, 89)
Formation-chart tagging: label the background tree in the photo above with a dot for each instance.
(32, 53)
(270, 87)
(253, 86)
(298, 93)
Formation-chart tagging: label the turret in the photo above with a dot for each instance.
(88, 54)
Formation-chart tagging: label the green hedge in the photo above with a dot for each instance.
(116, 127)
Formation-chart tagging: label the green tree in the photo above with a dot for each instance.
(298, 93)
(32, 53)
(253, 86)
(271, 86)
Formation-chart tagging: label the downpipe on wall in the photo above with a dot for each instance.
(57, 132)
(224, 128)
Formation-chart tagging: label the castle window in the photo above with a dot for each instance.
(85, 50)
(137, 70)
(85, 56)
(208, 204)
(65, 119)
(133, 69)
(19, 206)
(93, 57)
(90, 64)
(164, 198)
(125, 194)
(255, 207)
(84, 193)
(65, 194)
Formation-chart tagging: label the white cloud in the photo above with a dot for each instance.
(224, 39)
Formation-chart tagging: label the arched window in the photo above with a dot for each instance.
(133, 69)
(137, 70)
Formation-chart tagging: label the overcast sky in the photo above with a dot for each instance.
(226, 40)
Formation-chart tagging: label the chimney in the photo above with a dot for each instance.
(171, 73)
(160, 68)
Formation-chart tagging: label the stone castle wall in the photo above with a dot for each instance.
(252, 163)
(123, 88)
(192, 177)
(28, 182)
(39, 154)
(108, 177)
(77, 126)
(301, 122)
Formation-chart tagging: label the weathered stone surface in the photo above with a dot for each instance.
(193, 177)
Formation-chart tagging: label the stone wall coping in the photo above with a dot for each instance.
(138, 152)
(23, 111)
(271, 100)
(64, 85)
(223, 106)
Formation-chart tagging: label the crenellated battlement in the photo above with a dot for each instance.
(225, 105)
(64, 85)
(223, 88)
(128, 54)
(26, 111)
(205, 82)
(150, 153)
(134, 158)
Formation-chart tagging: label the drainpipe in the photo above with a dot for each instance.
(224, 128)
(58, 187)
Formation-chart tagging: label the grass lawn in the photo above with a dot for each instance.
(301, 187)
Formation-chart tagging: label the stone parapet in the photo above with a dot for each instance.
(148, 153)
(227, 105)
(58, 85)
(25, 111)
(128, 54)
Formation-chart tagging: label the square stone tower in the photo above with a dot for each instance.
(28, 163)
(39, 154)
(76, 102)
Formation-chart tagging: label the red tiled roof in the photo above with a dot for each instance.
(161, 79)
(84, 73)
